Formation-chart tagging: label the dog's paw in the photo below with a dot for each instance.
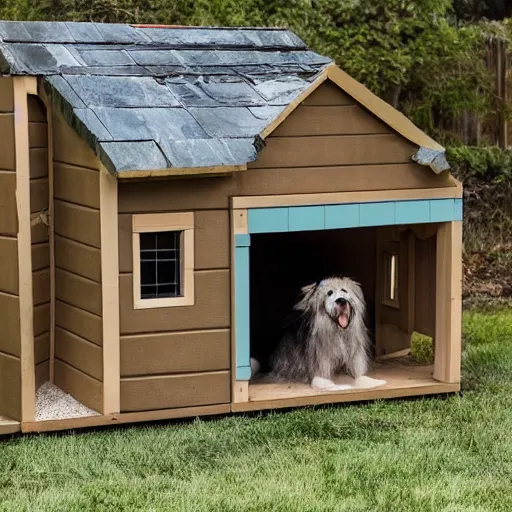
(367, 382)
(255, 367)
(328, 385)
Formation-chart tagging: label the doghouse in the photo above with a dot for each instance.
(164, 195)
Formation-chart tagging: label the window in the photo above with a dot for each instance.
(390, 296)
(163, 260)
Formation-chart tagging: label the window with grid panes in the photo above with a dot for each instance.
(160, 264)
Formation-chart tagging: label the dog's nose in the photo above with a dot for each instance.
(341, 302)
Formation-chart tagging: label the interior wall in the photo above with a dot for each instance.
(10, 347)
(282, 263)
(39, 203)
(425, 286)
(78, 305)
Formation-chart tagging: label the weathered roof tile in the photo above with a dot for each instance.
(106, 58)
(128, 156)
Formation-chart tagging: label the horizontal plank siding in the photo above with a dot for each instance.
(85, 389)
(334, 150)
(41, 319)
(78, 291)
(41, 286)
(6, 94)
(40, 256)
(166, 392)
(77, 223)
(211, 309)
(7, 156)
(79, 322)
(79, 353)
(328, 94)
(78, 258)
(42, 347)
(214, 193)
(69, 148)
(38, 195)
(38, 135)
(10, 324)
(77, 185)
(330, 120)
(9, 280)
(178, 352)
(38, 162)
(8, 209)
(42, 373)
(39, 232)
(10, 390)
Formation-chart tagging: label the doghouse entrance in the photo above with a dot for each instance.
(396, 268)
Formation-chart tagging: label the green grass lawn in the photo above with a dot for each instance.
(451, 454)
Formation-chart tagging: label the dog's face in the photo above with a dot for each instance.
(339, 298)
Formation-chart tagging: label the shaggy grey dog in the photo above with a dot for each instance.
(326, 334)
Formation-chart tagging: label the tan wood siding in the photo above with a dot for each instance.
(78, 291)
(69, 148)
(214, 193)
(10, 390)
(334, 150)
(8, 210)
(9, 280)
(38, 162)
(211, 244)
(77, 223)
(42, 347)
(38, 195)
(38, 137)
(42, 373)
(10, 324)
(180, 352)
(328, 94)
(79, 353)
(78, 258)
(330, 120)
(41, 319)
(40, 256)
(39, 232)
(41, 286)
(425, 289)
(85, 389)
(77, 185)
(79, 322)
(7, 156)
(6, 94)
(166, 392)
(211, 310)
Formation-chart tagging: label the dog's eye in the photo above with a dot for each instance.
(329, 293)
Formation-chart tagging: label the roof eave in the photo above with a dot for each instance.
(219, 170)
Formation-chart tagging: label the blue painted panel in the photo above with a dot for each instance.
(341, 216)
(306, 218)
(412, 212)
(243, 373)
(377, 214)
(442, 210)
(268, 220)
(242, 240)
(242, 306)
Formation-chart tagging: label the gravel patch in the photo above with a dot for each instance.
(54, 404)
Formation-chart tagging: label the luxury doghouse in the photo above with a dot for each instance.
(165, 193)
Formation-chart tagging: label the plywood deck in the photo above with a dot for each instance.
(8, 426)
(402, 380)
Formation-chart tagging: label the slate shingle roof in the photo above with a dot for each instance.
(155, 98)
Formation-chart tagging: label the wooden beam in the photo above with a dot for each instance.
(22, 87)
(110, 293)
(219, 170)
(448, 303)
(344, 197)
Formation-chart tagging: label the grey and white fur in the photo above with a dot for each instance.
(326, 334)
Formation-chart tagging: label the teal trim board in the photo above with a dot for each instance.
(242, 310)
(353, 215)
(318, 218)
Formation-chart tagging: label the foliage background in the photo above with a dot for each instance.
(426, 57)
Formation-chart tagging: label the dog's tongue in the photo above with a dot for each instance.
(343, 320)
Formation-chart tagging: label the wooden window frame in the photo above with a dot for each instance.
(155, 223)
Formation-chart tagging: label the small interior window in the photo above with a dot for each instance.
(391, 278)
(160, 264)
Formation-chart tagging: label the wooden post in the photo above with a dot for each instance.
(448, 303)
(110, 293)
(22, 87)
